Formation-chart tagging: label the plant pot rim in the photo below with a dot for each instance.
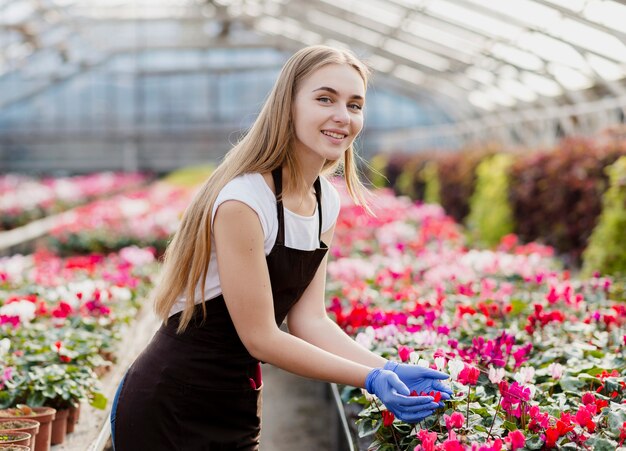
(17, 435)
(24, 419)
(37, 412)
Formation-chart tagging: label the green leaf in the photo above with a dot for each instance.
(534, 442)
(368, 427)
(601, 444)
(518, 307)
(509, 426)
(99, 401)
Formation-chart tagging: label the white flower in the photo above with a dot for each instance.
(496, 374)
(556, 370)
(414, 358)
(423, 363)
(454, 368)
(23, 309)
(5, 345)
(525, 375)
(440, 362)
(367, 395)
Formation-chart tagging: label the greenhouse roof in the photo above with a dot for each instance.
(476, 57)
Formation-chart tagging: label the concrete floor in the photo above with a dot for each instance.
(297, 413)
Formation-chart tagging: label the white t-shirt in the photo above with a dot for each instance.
(300, 231)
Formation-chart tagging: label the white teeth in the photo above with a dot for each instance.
(334, 135)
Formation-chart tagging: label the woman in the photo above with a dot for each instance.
(249, 253)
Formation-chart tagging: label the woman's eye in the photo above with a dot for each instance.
(324, 99)
(356, 106)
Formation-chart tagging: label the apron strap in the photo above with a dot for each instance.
(318, 196)
(277, 175)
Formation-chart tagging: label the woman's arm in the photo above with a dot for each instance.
(246, 288)
(308, 320)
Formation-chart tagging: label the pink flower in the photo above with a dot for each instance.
(556, 370)
(404, 352)
(455, 420)
(516, 439)
(428, 440)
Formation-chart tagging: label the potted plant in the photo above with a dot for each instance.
(21, 425)
(15, 438)
(44, 415)
(14, 448)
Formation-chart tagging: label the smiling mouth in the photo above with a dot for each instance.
(334, 135)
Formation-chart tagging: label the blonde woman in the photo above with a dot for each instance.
(251, 251)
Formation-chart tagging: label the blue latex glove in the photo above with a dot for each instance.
(395, 395)
(420, 379)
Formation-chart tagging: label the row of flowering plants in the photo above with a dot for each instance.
(61, 319)
(536, 357)
(24, 199)
(143, 217)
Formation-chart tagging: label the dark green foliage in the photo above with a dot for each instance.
(556, 194)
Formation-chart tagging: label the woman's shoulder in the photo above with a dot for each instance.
(249, 184)
(329, 192)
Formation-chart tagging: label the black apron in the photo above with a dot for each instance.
(195, 391)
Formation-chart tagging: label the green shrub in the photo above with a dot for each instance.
(432, 187)
(606, 252)
(457, 177)
(491, 216)
(556, 194)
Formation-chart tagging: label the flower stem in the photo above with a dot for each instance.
(393, 431)
(469, 392)
(495, 416)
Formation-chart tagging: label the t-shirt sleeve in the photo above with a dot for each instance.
(331, 204)
(240, 190)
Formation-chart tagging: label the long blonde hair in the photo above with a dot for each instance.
(265, 147)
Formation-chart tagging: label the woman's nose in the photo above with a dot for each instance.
(341, 116)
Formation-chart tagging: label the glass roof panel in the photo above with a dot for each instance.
(380, 63)
(481, 100)
(574, 5)
(409, 74)
(382, 12)
(498, 96)
(527, 11)
(414, 54)
(541, 84)
(552, 49)
(344, 27)
(516, 56)
(419, 28)
(472, 19)
(518, 90)
(611, 14)
(569, 78)
(605, 68)
(591, 38)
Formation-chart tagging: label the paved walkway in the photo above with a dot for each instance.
(297, 413)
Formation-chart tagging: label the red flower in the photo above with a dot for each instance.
(469, 375)
(388, 418)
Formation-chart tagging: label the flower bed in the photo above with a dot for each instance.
(536, 357)
(60, 321)
(145, 217)
(24, 199)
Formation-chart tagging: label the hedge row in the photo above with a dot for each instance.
(554, 195)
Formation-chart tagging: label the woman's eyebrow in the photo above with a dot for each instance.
(334, 91)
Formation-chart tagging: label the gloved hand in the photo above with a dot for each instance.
(420, 379)
(395, 395)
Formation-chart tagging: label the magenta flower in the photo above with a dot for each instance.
(455, 420)
(404, 352)
(516, 440)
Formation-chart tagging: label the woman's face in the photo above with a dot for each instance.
(328, 112)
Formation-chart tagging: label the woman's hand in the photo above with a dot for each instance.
(395, 395)
(420, 379)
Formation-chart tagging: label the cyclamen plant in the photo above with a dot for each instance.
(536, 358)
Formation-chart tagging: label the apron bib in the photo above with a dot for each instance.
(201, 390)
